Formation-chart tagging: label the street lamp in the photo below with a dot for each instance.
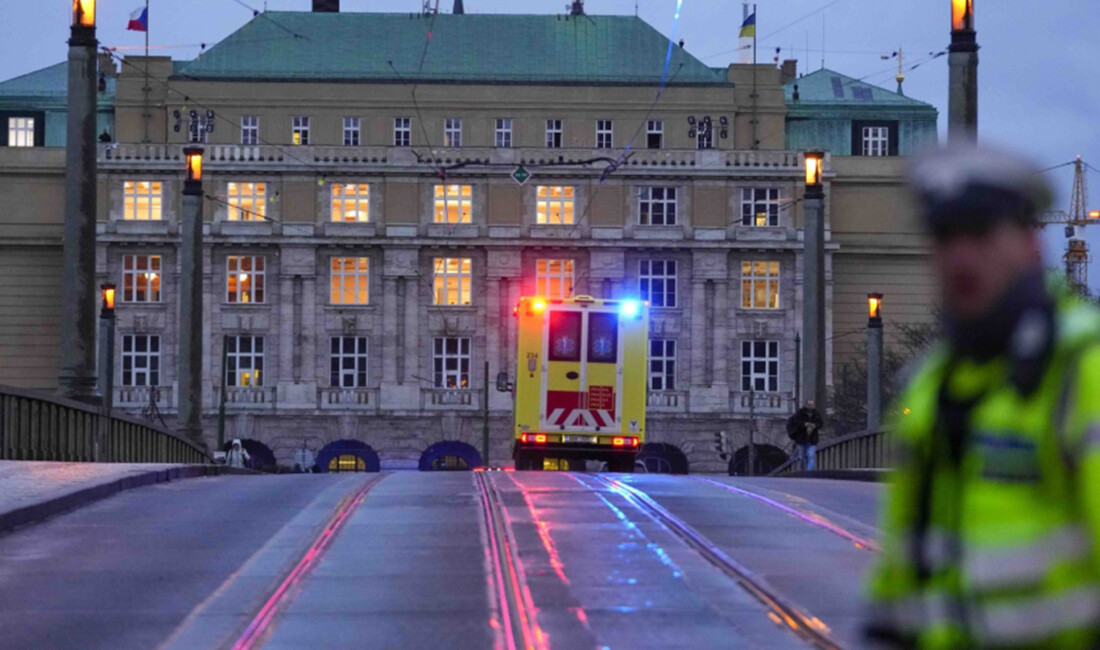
(84, 13)
(814, 160)
(962, 95)
(874, 361)
(813, 274)
(191, 303)
(962, 16)
(107, 343)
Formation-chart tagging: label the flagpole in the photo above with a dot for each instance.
(146, 89)
(756, 21)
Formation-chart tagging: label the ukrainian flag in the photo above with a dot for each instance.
(748, 28)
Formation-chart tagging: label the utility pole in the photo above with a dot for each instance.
(962, 95)
(77, 376)
(190, 317)
(813, 283)
(874, 361)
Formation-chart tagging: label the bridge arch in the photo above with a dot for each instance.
(768, 457)
(662, 458)
(450, 455)
(260, 456)
(347, 456)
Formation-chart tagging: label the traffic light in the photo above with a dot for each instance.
(720, 444)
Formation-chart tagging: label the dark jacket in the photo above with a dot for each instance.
(798, 425)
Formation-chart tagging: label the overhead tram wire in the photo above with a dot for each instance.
(781, 29)
(263, 14)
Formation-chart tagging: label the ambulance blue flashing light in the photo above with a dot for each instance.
(630, 308)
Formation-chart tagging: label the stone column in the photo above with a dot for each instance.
(710, 391)
(504, 270)
(962, 85)
(191, 314)
(401, 284)
(813, 297)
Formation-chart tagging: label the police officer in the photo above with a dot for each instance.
(992, 523)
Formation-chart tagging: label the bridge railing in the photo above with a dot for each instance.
(860, 450)
(37, 426)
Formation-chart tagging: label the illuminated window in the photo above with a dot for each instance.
(760, 285)
(244, 360)
(504, 133)
(20, 131)
(451, 362)
(876, 141)
(250, 129)
(452, 132)
(662, 364)
(141, 277)
(655, 134)
(140, 360)
(453, 203)
(760, 366)
(299, 130)
(554, 204)
(349, 362)
(657, 282)
(244, 279)
(760, 206)
(247, 201)
(402, 132)
(350, 280)
(657, 206)
(553, 134)
(554, 278)
(351, 131)
(351, 202)
(453, 278)
(604, 134)
(142, 201)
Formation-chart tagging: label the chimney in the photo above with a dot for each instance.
(577, 9)
(790, 70)
(459, 9)
(326, 6)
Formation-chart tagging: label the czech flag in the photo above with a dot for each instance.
(139, 20)
(748, 28)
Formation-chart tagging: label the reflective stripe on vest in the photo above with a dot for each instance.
(935, 546)
(1029, 620)
(914, 614)
(1092, 437)
(1027, 564)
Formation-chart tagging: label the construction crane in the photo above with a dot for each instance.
(1077, 250)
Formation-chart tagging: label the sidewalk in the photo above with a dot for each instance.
(33, 490)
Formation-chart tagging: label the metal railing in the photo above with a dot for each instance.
(860, 450)
(38, 426)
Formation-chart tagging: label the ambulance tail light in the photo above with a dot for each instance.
(624, 442)
(536, 438)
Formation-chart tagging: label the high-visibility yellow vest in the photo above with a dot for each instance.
(1004, 549)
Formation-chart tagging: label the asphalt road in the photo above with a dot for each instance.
(203, 563)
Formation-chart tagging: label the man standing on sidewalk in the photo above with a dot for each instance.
(803, 428)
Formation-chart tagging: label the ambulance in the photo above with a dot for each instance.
(580, 388)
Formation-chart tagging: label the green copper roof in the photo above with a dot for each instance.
(461, 48)
(828, 88)
(50, 84)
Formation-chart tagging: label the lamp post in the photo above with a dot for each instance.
(190, 318)
(962, 101)
(874, 361)
(77, 375)
(106, 363)
(813, 283)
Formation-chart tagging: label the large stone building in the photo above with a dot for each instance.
(366, 237)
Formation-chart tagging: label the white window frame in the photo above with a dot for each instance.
(504, 133)
(453, 204)
(348, 360)
(244, 279)
(751, 374)
(21, 131)
(350, 202)
(555, 134)
(876, 141)
(140, 367)
(452, 132)
(250, 129)
(246, 201)
(662, 364)
(554, 278)
(757, 276)
(244, 369)
(771, 198)
(657, 206)
(349, 282)
(448, 349)
(299, 130)
(705, 136)
(452, 281)
(655, 128)
(605, 134)
(658, 272)
(351, 131)
(555, 205)
(402, 131)
(141, 278)
(142, 201)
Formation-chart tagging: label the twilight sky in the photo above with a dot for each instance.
(1039, 87)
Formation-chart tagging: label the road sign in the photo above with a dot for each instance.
(520, 175)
